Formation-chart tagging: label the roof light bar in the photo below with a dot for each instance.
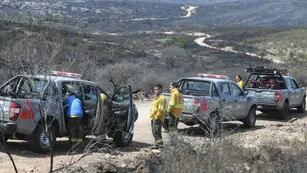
(216, 76)
(66, 74)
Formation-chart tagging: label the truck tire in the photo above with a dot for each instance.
(284, 113)
(40, 142)
(250, 120)
(211, 126)
(301, 109)
(122, 139)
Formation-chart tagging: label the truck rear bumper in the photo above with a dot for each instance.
(188, 118)
(8, 128)
(269, 107)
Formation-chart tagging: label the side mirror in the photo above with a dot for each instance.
(300, 85)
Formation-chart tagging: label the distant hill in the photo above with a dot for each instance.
(140, 15)
(200, 2)
(268, 13)
(110, 16)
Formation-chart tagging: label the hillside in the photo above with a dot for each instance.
(289, 45)
(142, 57)
(110, 16)
(260, 13)
(125, 16)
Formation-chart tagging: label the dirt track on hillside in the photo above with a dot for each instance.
(268, 130)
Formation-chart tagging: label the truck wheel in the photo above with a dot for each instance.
(122, 139)
(285, 111)
(301, 109)
(250, 120)
(211, 126)
(40, 142)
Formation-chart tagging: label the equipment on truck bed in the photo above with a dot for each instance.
(264, 70)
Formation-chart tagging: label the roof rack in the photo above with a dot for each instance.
(266, 70)
(215, 76)
(66, 74)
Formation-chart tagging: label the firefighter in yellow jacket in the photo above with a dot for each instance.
(157, 114)
(175, 106)
(240, 82)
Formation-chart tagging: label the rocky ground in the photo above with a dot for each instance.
(271, 142)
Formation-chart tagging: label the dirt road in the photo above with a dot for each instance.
(267, 128)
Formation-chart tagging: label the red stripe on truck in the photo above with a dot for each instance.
(27, 111)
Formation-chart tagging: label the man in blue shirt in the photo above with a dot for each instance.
(74, 112)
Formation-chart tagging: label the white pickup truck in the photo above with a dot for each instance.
(275, 91)
(28, 101)
(210, 99)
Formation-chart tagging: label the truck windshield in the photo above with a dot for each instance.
(195, 87)
(264, 81)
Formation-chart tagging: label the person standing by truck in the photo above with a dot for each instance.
(157, 114)
(175, 106)
(74, 112)
(239, 81)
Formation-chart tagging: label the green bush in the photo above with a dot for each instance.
(178, 41)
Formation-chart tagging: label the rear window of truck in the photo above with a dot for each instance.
(24, 87)
(31, 88)
(264, 81)
(195, 87)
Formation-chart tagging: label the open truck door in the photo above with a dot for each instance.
(122, 110)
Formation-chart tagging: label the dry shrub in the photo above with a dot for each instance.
(226, 155)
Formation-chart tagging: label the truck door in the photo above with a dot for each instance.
(240, 103)
(124, 116)
(292, 92)
(226, 101)
(90, 96)
(297, 92)
(52, 105)
(123, 109)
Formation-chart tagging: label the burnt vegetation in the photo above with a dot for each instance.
(137, 59)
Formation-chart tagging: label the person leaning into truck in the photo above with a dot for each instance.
(101, 120)
(175, 106)
(157, 114)
(74, 113)
(239, 80)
